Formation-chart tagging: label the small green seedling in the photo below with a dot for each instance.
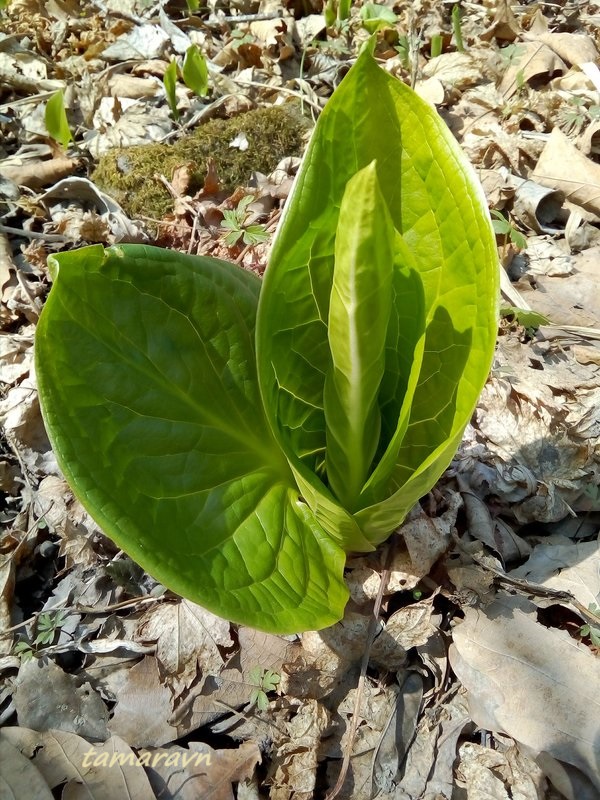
(193, 5)
(403, 49)
(23, 650)
(503, 227)
(336, 12)
(592, 631)
(47, 625)
(56, 121)
(195, 71)
(240, 37)
(344, 9)
(235, 222)
(573, 116)
(265, 681)
(170, 84)
(530, 320)
(376, 17)
(457, 29)
(437, 43)
(238, 437)
(511, 54)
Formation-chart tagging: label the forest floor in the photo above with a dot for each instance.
(483, 680)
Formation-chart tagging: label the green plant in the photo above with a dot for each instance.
(575, 114)
(47, 625)
(457, 29)
(56, 121)
(195, 71)
(436, 46)
(375, 17)
(511, 54)
(336, 12)
(170, 84)
(23, 650)
(235, 222)
(403, 49)
(264, 680)
(530, 320)
(238, 438)
(593, 631)
(503, 227)
(240, 37)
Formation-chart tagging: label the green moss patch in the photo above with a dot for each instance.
(128, 173)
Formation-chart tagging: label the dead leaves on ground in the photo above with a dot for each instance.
(495, 577)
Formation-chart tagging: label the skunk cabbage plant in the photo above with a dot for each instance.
(238, 438)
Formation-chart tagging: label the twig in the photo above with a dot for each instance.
(80, 609)
(284, 90)
(527, 588)
(244, 18)
(48, 237)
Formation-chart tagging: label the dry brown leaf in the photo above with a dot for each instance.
(36, 174)
(410, 626)
(397, 734)
(377, 705)
(200, 772)
(233, 686)
(541, 454)
(504, 25)
(142, 41)
(16, 355)
(124, 85)
(19, 777)
(136, 125)
(101, 771)
(561, 166)
(574, 48)
(293, 772)
(428, 537)
(7, 587)
(309, 28)
(537, 207)
(48, 698)
(455, 70)
(432, 90)
(188, 638)
(533, 683)
(7, 267)
(499, 774)
(428, 768)
(144, 707)
(535, 60)
(566, 286)
(572, 567)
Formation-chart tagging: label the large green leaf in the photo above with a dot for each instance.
(440, 213)
(146, 370)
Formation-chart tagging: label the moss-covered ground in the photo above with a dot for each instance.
(129, 174)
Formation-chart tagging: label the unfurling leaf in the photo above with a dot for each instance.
(359, 312)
